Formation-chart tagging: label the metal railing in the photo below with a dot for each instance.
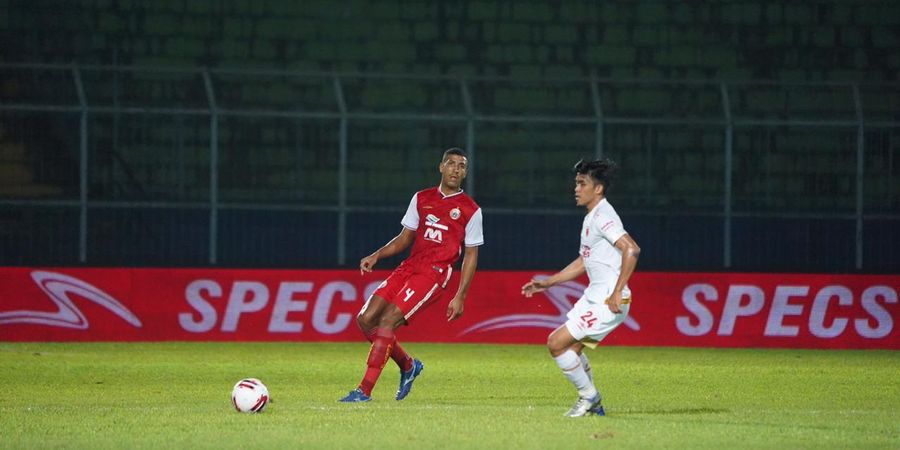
(607, 105)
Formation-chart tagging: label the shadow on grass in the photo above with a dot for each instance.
(672, 411)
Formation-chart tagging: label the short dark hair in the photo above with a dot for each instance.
(454, 151)
(602, 171)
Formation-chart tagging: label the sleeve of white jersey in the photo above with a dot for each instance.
(610, 228)
(411, 218)
(474, 234)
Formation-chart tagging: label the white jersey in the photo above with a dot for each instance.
(603, 261)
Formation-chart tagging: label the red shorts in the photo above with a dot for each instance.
(412, 290)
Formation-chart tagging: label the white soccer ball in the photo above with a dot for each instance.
(250, 395)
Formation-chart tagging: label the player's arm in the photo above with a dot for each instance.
(574, 270)
(401, 242)
(470, 262)
(396, 245)
(474, 238)
(630, 252)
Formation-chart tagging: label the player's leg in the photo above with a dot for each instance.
(368, 320)
(591, 323)
(385, 316)
(419, 292)
(563, 346)
(585, 362)
(398, 353)
(383, 342)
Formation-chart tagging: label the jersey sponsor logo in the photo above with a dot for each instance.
(434, 235)
(432, 221)
(454, 213)
(433, 229)
(59, 288)
(562, 296)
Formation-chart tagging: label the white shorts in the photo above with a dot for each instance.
(591, 322)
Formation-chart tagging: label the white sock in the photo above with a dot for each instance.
(587, 367)
(571, 367)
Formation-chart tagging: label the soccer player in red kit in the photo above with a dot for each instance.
(439, 221)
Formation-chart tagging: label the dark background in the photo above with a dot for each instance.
(808, 85)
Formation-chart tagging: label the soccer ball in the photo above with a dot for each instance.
(250, 395)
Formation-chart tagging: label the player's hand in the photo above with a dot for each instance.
(455, 309)
(533, 287)
(366, 264)
(614, 302)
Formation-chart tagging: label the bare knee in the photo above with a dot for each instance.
(392, 317)
(364, 322)
(555, 346)
(367, 320)
(559, 341)
(370, 315)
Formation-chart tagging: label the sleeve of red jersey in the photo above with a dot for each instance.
(474, 234)
(411, 218)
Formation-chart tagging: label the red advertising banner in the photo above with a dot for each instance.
(669, 309)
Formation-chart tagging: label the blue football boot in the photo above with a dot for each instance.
(355, 396)
(407, 378)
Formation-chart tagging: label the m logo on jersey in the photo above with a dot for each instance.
(433, 229)
(434, 235)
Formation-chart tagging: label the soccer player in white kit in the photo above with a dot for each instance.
(608, 255)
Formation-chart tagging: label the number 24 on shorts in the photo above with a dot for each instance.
(589, 319)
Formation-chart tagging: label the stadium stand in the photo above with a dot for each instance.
(766, 52)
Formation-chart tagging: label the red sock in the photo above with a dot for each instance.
(378, 356)
(401, 357)
(403, 360)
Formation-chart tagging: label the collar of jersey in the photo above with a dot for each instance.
(447, 196)
(596, 206)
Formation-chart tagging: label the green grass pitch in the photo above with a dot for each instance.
(177, 395)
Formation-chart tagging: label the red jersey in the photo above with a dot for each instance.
(443, 223)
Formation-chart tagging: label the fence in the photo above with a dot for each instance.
(112, 165)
